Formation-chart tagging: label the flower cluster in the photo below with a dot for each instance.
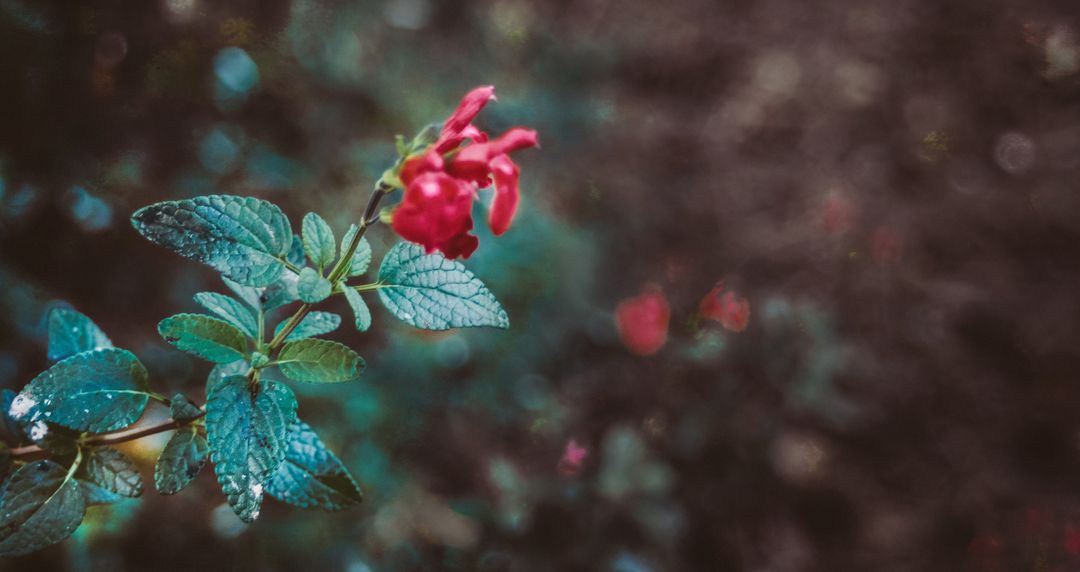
(441, 181)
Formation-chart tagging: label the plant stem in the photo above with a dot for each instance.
(124, 436)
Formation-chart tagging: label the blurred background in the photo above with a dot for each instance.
(886, 380)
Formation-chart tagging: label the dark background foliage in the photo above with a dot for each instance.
(891, 184)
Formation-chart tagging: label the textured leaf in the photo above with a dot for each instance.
(230, 310)
(270, 297)
(221, 372)
(182, 409)
(181, 461)
(111, 470)
(246, 432)
(359, 308)
(312, 476)
(430, 292)
(40, 505)
(314, 324)
(313, 287)
(319, 361)
(97, 391)
(96, 495)
(71, 332)
(243, 238)
(296, 251)
(209, 338)
(319, 241)
(361, 259)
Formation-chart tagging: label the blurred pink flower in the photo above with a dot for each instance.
(643, 321)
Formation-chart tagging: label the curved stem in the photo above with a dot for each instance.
(124, 436)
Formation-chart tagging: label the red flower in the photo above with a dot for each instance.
(643, 322)
(732, 312)
(439, 191)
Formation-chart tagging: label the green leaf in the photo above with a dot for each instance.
(221, 372)
(71, 332)
(319, 361)
(96, 495)
(97, 391)
(296, 251)
(314, 324)
(312, 476)
(182, 409)
(246, 430)
(181, 461)
(111, 470)
(361, 259)
(40, 505)
(313, 287)
(319, 241)
(209, 338)
(430, 292)
(230, 310)
(243, 238)
(359, 308)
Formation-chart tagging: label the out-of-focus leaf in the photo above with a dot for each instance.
(71, 332)
(182, 409)
(359, 308)
(244, 238)
(313, 287)
(319, 241)
(314, 324)
(431, 292)
(97, 495)
(41, 504)
(230, 310)
(181, 461)
(319, 361)
(312, 476)
(111, 470)
(209, 338)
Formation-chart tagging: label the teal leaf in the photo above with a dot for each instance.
(246, 430)
(41, 504)
(270, 297)
(243, 238)
(259, 360)
(296, 251)
(97, 392)
(182, 409)
(71, 332)
(319, 241)
(313, 287)
(312, 476)
(314, 324)
(432, 293)
(209, 338)
(111, 470)
(361, 259)
(230, 310)
(359, 308)
(96, 495)
(319, 361)
(181, 461)
(223, 371)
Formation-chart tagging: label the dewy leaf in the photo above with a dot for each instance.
(111, 470)
(314, 324)
(40, 505)
(430, 292)
(243, 238)
(71, 332)
(181, 461)
(230, 310)
(97, 392)
(319, 361)
(359, 308)
(319, 241)
(209, 338)
(246, 429)
(313, 287)
(182, 409)
(312, 476)
(361, 259)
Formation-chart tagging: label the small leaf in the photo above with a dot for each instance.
(259, 360)
(430, 292)
(182, 409)
(319, 241)
(181, 461)
(296, 251)
(361, 259)
(314, 324)
(319, 361)
(312, 476)
(96, 495)
(41, 504)
(209, 338)
(71, 332)
(270, 297)
(246, 430)
(230, 310)
(221, 372)
(111, 470)
(244, 238)
(97, 391)
(359, 308)
(313, 287)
